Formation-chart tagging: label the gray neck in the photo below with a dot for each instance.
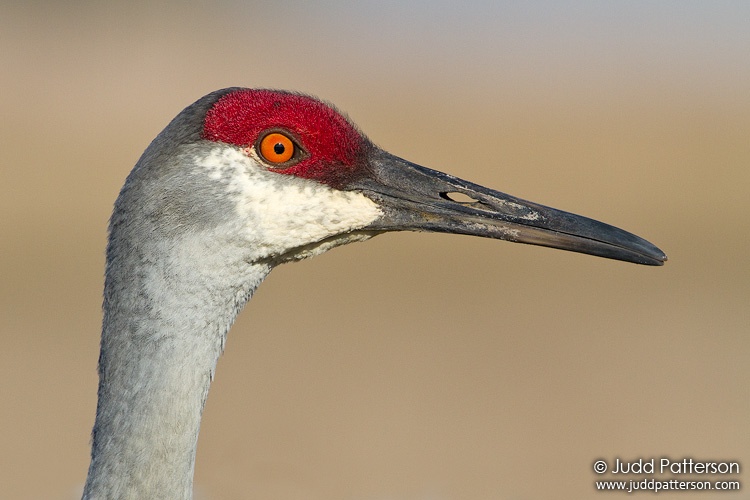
(165, 323)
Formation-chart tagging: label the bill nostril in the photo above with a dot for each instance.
(458, 197)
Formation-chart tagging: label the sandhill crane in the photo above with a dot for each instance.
(239, 182)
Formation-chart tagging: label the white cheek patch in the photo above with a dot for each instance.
(280, 212)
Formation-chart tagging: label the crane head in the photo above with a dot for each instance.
(302, 178)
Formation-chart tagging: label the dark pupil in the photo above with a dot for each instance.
(278, 148)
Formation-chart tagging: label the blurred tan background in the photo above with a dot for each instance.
(414, 366)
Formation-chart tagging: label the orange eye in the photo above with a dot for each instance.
(276, 148)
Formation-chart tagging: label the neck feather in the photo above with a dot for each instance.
(165, 322)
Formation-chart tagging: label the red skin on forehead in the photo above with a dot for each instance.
(332, 143)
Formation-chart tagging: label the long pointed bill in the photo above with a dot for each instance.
(415, 198)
